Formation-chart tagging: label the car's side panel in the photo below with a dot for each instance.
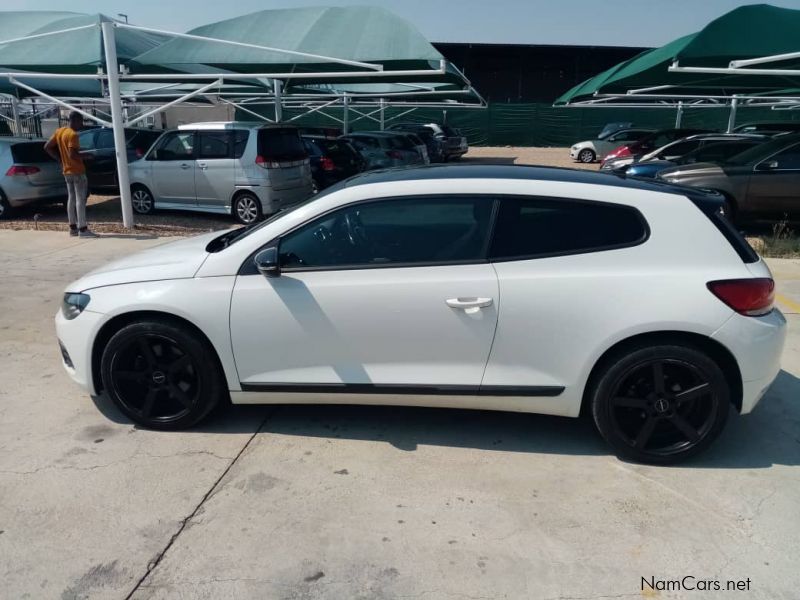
(560, 314)
(204, 302)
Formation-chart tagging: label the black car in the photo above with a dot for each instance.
(434, 145)
(101, 169)
(331, 160)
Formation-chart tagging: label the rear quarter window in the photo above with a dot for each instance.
(541, 227)
(281, 144)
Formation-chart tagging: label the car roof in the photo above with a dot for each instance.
(19, 140)
(221, 125)
(517, 172)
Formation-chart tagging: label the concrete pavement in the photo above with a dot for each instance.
(363, 502)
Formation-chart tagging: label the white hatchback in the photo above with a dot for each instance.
(487, 287)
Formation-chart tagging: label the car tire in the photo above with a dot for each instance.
(664, 423)
(142, 200)
(161, 374)
(247, 208)
(586, 156)
(5, 207)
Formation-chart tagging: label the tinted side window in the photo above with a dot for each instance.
(240, 137)
(789, 158)
(86, 139)
(105, 138)
(535, 227)
(214, 144)
(176, 145)
(393, 232)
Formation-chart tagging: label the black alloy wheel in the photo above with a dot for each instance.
(160, 375)
(661, 405)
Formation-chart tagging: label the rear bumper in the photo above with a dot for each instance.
(273, 200)
(22, 192)
(757, 344)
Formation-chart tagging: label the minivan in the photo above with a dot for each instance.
(247, 170)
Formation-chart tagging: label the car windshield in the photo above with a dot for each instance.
(234, 235)
(760, 151)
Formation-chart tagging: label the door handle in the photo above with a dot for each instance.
(203, 166)
(469, 303)
(185, 166)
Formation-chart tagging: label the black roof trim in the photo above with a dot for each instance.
(519, 172)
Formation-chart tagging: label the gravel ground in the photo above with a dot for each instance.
(104, 213)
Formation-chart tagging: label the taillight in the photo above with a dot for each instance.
(326, 164)
(619, 152)
(394, 154)
(22, 170)
(267, 164)
(139, 153)
(750, 297)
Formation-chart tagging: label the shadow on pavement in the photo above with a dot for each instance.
(769, 436)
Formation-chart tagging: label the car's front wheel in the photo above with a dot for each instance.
(660, 404)
(161, 374)
(247, 208)
(5, 207)
(586, 155)
(142, 200)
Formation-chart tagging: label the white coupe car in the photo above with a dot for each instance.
(487, 287)
(592, 150)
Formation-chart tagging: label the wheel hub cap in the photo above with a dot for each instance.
(159, 378)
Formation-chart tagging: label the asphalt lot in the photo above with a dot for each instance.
(355, 502)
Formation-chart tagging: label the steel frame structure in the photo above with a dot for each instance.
(212, 86)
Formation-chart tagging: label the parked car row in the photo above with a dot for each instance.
(756, 169)
(247, 170)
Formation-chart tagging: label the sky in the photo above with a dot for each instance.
(590, 22)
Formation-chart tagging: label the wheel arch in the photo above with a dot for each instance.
(714, 349)
(117, 322)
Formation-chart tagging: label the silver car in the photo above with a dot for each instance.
(248, 170)
(27, 174)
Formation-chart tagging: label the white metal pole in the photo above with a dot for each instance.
(346, 115)
(383, 114)
(679, 116)
(276, 85)
(732, 117)
(15, 115)
(117, 123)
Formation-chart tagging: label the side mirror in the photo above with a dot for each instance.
(267, 263)
(768, 165)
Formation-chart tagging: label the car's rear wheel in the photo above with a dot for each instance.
(247, 208)
(586, 155)
(5, 207)
(142, 200)
(660, 404)
(161, 374)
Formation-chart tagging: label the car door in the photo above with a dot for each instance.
(775, 184)
(103, 165)
(214, 169)
(172, 170)
(391, 296)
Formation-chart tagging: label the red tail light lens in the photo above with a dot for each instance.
(139, 153)
(394, 154)
(750, 297)
(21, 170)
(326, 164)
(620, 152)
(267, 164)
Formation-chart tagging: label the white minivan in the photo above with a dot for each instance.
(247, 170)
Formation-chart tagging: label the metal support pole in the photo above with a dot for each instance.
(15, 115)
(383, 114)
(276, 85)
(112, 72)
(346, 115)
(732, 117)
(679, 116)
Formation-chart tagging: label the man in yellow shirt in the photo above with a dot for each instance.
(65, 147)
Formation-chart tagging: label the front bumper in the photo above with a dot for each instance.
(757, 344)
(75, 339)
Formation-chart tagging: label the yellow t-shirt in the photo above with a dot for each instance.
(67, 138)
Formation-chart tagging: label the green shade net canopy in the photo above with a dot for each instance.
(362, 34)
(747, 32)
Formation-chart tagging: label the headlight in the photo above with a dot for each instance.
(73, 305)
